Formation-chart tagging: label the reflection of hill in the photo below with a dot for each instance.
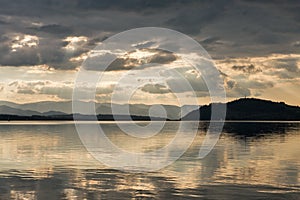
(251, 109)
(257, 128)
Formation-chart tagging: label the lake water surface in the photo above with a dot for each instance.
(252, 160)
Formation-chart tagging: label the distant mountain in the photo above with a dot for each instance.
(250, 109)
(14, 111)
(241, 109)
(173, 112)
(43, 106)
(65, 107)
(52, 113)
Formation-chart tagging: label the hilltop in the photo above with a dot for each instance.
(250, 109)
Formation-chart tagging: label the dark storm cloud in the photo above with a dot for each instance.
(3, 22)
(53, 29)
(192, 19)
(71, 7)
(43, 53)
(226, 28)
(296, 44)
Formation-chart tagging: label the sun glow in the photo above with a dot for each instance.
(74, 42)
(20, 42)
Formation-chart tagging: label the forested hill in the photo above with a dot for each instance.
(250, 109)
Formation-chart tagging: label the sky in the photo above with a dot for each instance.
(255, 46)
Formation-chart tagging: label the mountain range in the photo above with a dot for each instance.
(240, 109)
(48, 108)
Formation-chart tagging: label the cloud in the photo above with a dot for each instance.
(26, 91)
(61, 90)
(246, 68)
(53, 29)
(185, 79)
(289, 64)
(296, 44)
(244, 37)
(256, 84)
(30, 50)
(193, 18)
(105, 89)
(226, 28)
(155, 89)
(136, 60)
(230, 84)
(238, 92)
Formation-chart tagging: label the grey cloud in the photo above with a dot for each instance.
(123, 64)
(25, 57)
(296, 44)
(193, 19)
(127, 62)
(290, 64)
(105, 90)
(209, 40)
(143, 45)
(285, 68)
(231, 28)
(186, 80)
(26, 91)
(162, 57)
(53, 29)
(230, 84)
(246, 68)
(155, 89)
(63, 92)
(254, 84)
(237, 91)
(3, 22)
(46, 52)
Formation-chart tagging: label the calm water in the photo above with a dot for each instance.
(252, 160)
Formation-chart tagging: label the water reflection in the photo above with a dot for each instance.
(49, 162)
(253, 128)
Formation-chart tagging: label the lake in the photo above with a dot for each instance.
(252, 160)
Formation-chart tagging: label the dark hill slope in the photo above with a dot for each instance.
(251, 109)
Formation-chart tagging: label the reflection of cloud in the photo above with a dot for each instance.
(264, 166)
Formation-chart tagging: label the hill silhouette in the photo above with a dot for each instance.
(241, 109)
(250, 109)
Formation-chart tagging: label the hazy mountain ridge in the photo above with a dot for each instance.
(241, 109)
(46, 108)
